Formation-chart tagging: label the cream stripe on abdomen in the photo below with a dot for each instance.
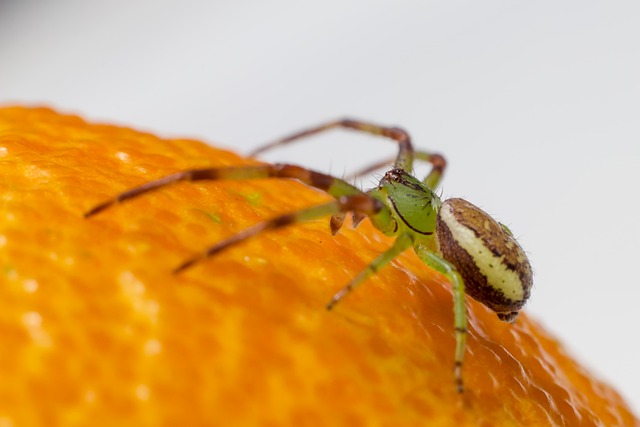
(498, 275)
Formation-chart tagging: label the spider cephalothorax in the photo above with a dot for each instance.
(478, 255)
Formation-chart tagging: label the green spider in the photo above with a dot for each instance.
(478, 255)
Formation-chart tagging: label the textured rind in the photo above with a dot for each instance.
(97, 331)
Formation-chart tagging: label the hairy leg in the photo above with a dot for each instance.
(459, 308)
(334, 186)
(357, 203)
(402, 243)
(405, 153)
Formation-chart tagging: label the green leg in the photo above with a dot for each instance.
(439, 163)
(459, 308)
(358, 203)
(404, 159)
(401, 244)
(432, 180)
(334, 186)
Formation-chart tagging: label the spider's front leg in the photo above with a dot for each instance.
(360, 203)
(403, 160)
(348, 198)
(334, 186)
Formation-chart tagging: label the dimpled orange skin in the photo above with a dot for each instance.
(96, 330)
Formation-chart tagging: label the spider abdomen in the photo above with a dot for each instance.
(495, 269)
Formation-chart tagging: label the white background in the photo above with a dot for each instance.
(535, 104)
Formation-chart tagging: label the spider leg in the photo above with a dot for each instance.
(336, 221)
(459, 308)
(401, 243)
(357, 203)
(405, 156)
(432, 180)
(334, 186)
(439, 163)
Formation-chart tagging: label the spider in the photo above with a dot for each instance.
(478, 255)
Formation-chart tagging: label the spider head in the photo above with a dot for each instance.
(412, 206)
(494, 267)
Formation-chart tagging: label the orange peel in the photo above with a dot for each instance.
(97, 331)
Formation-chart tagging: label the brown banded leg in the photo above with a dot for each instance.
(405, 156)
(334, 186)
(438, 163)
(360, 203)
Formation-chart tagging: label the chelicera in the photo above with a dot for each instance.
(478, 255)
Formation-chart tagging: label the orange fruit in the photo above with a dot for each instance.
(96, 330)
